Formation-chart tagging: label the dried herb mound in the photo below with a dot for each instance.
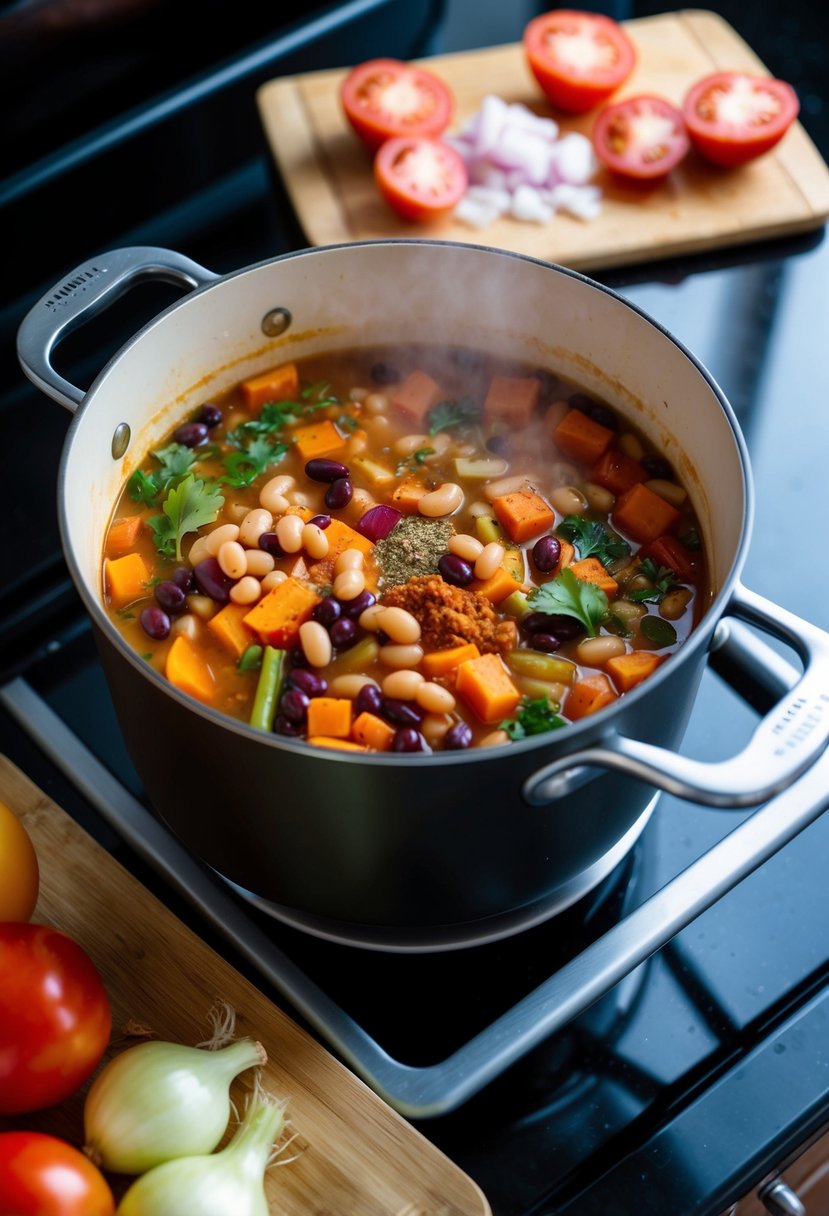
(451, 616)
(412, 549)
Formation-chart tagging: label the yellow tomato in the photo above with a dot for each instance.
(19, 874)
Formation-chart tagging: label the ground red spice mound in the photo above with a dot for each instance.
(452, 616)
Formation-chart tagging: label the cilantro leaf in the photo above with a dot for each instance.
(275, 416)
(448, 414)
(568, 596)
(535, 717)
(663, 580)
(186, 508)
(176, 461)
(243, 467)
(593, 538)
(144, 487)
(415, 461)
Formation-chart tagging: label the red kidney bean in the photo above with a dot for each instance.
(284, 726)
(407, 739)
(369, 700)
(170, 596)
(600, 413)
(499, 444)
(307, 681)
(191, 434)
(210, 415)
(327, 611)
(657, 467)
(546, 553)
(338, 494)
(322, 521)
(458, 736)
(294, 705)
(402, 713)
(545, 642)
(211, 580)
(323, 469)
(358, 605)
(183, 577)
(155, 623)
(561, 626)
(343, 633)
(456, 570)
(269, 541)
(384, 373)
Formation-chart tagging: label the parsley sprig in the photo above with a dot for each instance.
(243, 467)
(535, 717)
(186, 508)
(448, 414)
(593, 538)
(415, 461)
(275, 417)
(175, 462)
(567, 595)
(663, 580)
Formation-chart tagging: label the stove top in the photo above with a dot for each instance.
(662, 1046)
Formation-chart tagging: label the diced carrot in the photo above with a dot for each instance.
(343, 745)
(229, 627)
(617, 472)
(372, 732)
(277, 617)
(415, 396)
(485, 685)
(443, 662)
(512, 399)
(628, 670)
(123, 535)
(341, 537)
(497, 587)
(670, 552)
(408, 494)
(279, 384)
(187, 668)
(582, 438)
(643, 514)
(318, 439)
(523, 514)
(126, 578)
(591, 570)
(330, 716)
(588, 695)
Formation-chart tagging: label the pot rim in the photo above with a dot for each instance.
(577, 732)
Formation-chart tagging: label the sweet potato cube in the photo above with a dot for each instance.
(644, 515)
(228, 626)
(617, 472)
(497, 587)
(511, 399)
(318, 439)
(486, 687)
(342, 745)
(444, 662)
(415, 396)
(628, 670)
(123, 535)
(277, 384)
(187, 668)
(523, 514)
(582, 438)
(277, 617)
(591, 570)
(341, 537)
(588, 695)
(330, 716)
(126, 579)
(408, 494)
(372, 732)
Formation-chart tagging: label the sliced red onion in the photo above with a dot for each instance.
(378, 522)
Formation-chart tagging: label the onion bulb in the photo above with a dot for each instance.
(158, 1100)
(228, 1183)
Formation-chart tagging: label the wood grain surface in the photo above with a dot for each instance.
(356, 1156)
(698, 207)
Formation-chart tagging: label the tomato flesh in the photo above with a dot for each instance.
(642, 137)
(55, 1017)
(578, 58)
(385, 98)
(421, 179)
(733, 117)
(41, 1175)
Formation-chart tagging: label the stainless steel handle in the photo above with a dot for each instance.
(786, 743)
(87, 290)
(780, 1200)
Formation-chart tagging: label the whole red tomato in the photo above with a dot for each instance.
(55, 1017)
(43, 1176)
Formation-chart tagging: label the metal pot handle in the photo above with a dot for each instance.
(85, 292)
(786, 742)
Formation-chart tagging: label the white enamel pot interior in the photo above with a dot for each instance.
(405, 848)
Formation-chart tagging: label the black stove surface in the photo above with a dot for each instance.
(693, 1077)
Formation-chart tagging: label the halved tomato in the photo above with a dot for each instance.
(384, 98)
(733, 117)
(578, 58)
(641, 137)
(422, 179)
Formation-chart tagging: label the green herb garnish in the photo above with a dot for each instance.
(663, 580)
(275, 416)
(347, 422)
(448, 414)
(186, 508)
(176, 460)
(569, 596)
(319, 389)
(691, 540)
(415, 461)
(593, 538)
(243, 467)
(535, 717)
(658, 631)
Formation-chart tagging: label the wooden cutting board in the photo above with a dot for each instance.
(699, 207)
(356, 1156)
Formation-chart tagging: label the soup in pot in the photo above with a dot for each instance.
(405, 550)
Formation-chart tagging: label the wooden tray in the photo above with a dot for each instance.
(699, 207)
(357, 1157)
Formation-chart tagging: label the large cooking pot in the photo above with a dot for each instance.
(391, 850)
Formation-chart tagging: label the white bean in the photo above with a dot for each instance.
(402, 684)
(444, 501)
(219, 536)
(349, 584)
(273, 579)
(631, 445)
(669, 490)
(316, 644)
(494, 739)
(349, 559)
(599, 498)
(595, 652)
(314, 541)
(376, 403)
(674, 604)
(188, 625)
(247, 591)
(274, 489)
(400, 625)
(489, 560)
(201, 606)
(199, 550)
(505, 485)
(434, 727)
(434, 698)
(231, 558)
(555, 414)
(298, 498)
(466, 546)
(236, 512)
(396, 656)
(258, 562)
(356, 444)
(368, 618)
(289, 533)
(349, 685)
(256, 522)
(409, 444)
(567, 500)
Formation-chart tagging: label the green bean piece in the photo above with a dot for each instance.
(268, 689)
